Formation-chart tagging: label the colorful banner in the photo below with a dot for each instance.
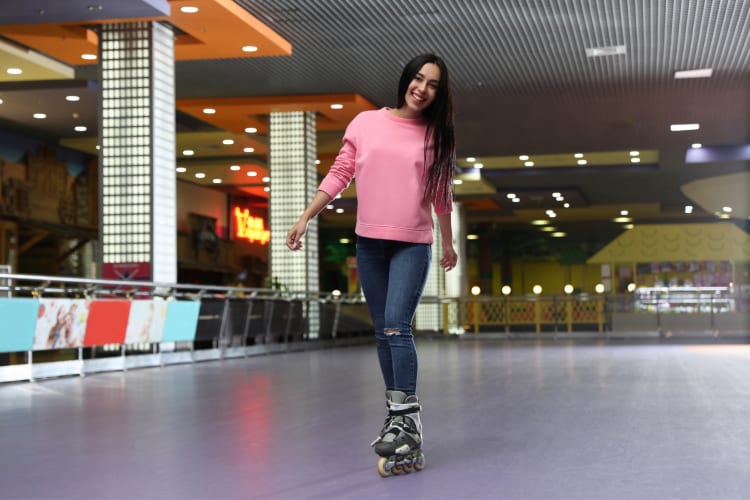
(107, 322)
(146, 321)
(19, 318)
(61, 323)
(181, 321)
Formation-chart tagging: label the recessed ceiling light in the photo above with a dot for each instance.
(539, 222)
(611, 50)
(228, 142)
(559, 234)
(317, 162)
(578, 155)
(80, 128)
(188, 9)
(188, 152)
(266, 189)
(88, 57)
(635, 159)
(1, 101)
(209, 111)
(339, 210)
(72, 98)
(471, 159)
(200, 175)
(688, 209)
(472, 236)
(457, 181)
(249, 150)
(622, 219)
(566, 205)
(266, 179)
(548, 229)
(582, 162)
(234, 168)
(696, 145)
(528, 164)
(635, 153)
(516, 200)
(628, 226)
(479, 165)
(624, 213)
(40, 116)
(252, 173)
(337, 106)
(523, 157)
(251, 130)
(556, 194)
(14, 71)
(694, 73)
(216, 181)
(181, 170)
(726, 209)
(682, 127)
(510, 196)
(249, 48)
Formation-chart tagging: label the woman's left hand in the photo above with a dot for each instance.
(449, 259)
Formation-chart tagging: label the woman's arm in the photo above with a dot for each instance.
(449, 258)
(295, 234)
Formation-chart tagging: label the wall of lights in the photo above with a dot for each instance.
(294, 182)
(137, 154)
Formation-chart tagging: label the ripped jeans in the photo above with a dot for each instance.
(393, 276)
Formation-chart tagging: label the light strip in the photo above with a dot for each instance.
(682, 127)
(694, 73)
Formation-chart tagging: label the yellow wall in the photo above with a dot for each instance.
(551, 275)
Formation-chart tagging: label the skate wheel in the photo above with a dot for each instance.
(397, 469)
(408, 468)
(382, 469)
(419, 462)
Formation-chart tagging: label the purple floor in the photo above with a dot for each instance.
(502, 419)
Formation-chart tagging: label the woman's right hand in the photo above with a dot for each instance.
(295, 234)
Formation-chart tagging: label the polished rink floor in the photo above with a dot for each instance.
(502, 419)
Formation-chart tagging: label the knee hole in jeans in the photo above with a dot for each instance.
(391, 331)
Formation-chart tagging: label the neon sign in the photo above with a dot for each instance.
(250, 228)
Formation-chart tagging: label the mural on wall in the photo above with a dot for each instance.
(42, 187)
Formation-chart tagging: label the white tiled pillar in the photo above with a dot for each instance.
(294, 182)
(138, 225)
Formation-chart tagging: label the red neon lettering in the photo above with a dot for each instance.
(250, 228)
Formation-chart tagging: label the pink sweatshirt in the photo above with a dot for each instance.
(385, 154)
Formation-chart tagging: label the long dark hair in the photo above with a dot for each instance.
(440, 132)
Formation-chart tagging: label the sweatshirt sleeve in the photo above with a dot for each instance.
(341, 173)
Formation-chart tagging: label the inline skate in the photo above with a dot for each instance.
(399, 444)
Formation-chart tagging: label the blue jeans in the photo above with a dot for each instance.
(393, 275)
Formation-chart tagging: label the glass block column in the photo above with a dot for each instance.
(137, 152)
(294, 182)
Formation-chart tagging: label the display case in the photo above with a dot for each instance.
(685, 299)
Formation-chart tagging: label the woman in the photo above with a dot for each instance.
(403, 159)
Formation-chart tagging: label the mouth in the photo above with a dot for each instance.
(418, 98)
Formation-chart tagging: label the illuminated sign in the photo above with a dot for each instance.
(250, 228)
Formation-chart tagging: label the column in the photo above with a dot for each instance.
(294, 181)
(138, 223)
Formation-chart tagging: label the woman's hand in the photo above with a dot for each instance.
(295, 234)
(449, 259)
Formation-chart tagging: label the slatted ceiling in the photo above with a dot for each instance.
(515, 47)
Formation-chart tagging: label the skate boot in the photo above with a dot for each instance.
(400, 442)
(388, 418)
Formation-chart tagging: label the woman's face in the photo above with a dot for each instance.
(422, 89)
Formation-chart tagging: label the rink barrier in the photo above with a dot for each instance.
(53, 326)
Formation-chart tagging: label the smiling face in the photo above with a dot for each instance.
(421, 91)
